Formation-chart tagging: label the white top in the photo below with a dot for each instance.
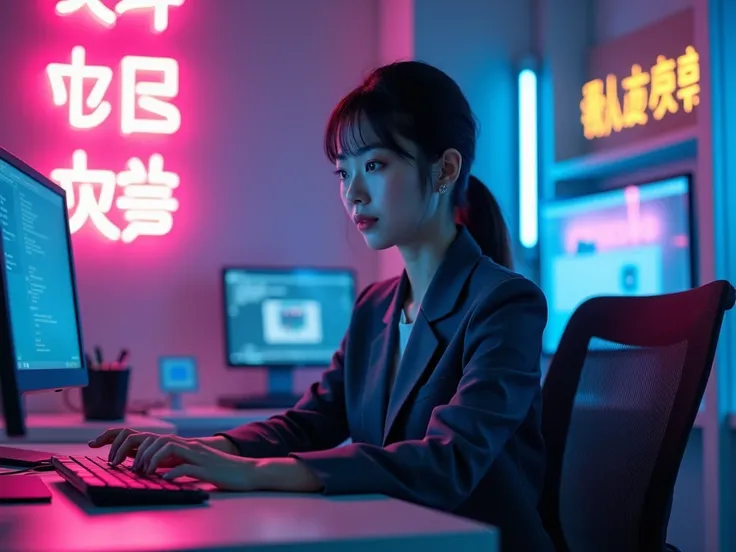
(404, 334)
(234, 521)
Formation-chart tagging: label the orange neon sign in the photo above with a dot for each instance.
(669, 86)
(143, 192)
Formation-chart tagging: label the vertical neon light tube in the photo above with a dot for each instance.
(528, 159)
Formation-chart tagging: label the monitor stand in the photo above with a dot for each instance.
(280, 393)
(175, 402)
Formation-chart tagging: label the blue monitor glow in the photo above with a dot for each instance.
(40, 330)
(635, 240)
(286, 317)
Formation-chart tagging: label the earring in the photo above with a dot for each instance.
(443, 189)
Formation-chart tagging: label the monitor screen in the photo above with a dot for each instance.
(630, 241)
(286, 317)
(39, 280)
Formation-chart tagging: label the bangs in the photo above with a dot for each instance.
(364, 118)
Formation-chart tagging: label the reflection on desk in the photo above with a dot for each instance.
(252, 521)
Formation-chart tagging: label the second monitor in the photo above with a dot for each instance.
(281, 319)
(635, 240)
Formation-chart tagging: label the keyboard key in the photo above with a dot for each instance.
(107, 485)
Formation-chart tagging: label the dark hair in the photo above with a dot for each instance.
(482, 216)
(420, 103)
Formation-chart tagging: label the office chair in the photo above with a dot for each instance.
(619, 402)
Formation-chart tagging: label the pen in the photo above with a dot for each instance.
(122, 357)
(98, 355)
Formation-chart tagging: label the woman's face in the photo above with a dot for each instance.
(382, 192)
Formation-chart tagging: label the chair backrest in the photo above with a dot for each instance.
(619, 401)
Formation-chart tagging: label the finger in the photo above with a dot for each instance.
(140, 453)
(186, 470)
(117, 441)
(169, 450)
(145, 458)
(128, 447)
(105, 438)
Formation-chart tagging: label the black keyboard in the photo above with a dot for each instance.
(107, 485)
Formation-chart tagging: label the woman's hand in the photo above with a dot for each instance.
(205, 460)
(129, 442)
(186, 457)
(193, 459)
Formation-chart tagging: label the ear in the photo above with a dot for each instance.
(448, 165)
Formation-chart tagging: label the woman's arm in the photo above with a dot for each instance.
(500, 381)
(317, 422)
(285, 474)
(219, 442)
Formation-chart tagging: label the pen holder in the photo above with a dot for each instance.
(106, 396)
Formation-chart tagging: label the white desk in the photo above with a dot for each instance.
(206, 420)
(258, 522)
(71, 428)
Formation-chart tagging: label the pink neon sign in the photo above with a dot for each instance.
(109, 17)
(143, 191)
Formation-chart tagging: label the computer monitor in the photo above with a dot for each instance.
(636, 240)
(40, 338)
(281, 318)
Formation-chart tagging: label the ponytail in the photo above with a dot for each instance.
(481, 215)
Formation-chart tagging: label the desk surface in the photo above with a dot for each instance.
(235, 521)
(72, 428)
(207, 416)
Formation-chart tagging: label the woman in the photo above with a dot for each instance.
(437, 380)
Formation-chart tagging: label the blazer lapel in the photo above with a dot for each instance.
(439, 302)
(417, 357)
(382, 358)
